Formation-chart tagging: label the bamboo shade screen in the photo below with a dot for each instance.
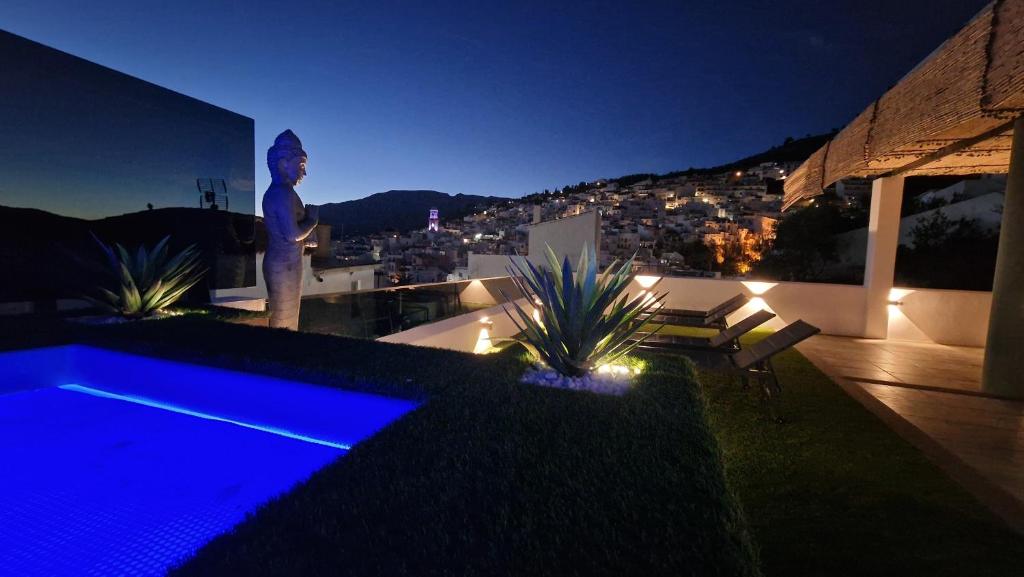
(951, 114)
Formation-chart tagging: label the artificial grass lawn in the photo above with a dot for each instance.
(487, 477)
(521, 480)
(836, 492)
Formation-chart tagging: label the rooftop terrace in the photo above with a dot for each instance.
(394, 433)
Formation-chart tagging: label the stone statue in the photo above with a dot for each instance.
(288, 224)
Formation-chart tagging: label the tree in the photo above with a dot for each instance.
(932, 232)
(948, 254)
(804, 244)
(698, 255)
(695, 254)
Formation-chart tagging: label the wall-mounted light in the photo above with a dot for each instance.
(758, 287)
(483, 340)
(896, 296)
(647, 281)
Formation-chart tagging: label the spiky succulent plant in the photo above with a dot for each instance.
(583, 320)
(137, 285)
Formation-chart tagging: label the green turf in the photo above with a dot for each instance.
(487, 477)
(835, 492)
(504, 479)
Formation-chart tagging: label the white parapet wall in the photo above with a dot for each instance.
(565, 236)
(948, 317)
(835, 309)
(488, 291)
(314, 282)
(483, 266)
(945, 317)
(929, 315)
(471, 332)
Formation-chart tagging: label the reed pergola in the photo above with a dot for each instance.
(956, 113)
(952, 114)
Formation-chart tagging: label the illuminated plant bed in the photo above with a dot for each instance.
(581, 325)
(616, 379)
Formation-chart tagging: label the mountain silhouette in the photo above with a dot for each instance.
(400, 210)
(39, 248)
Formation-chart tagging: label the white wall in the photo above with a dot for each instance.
(947, 317)
(335, 280)
(483, 266)
(835, 309)
(488, 291)
(566, 236)
(462, 333)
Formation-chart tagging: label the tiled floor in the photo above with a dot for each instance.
(931, 394)
(913, 363)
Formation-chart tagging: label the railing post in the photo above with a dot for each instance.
(880, 261)
(1002, 373)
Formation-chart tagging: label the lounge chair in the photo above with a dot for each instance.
(726, 339)
(714, 317)
(755, 361)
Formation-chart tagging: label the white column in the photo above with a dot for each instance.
(880, 263)
(1003, 373)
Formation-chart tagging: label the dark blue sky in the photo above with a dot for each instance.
(512, 97)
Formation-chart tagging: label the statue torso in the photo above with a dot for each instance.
(277, 232)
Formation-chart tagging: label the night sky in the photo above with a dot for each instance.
(512, 97)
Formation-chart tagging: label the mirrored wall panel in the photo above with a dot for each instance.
(89, 153)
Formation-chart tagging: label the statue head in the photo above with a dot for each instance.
(286, 159)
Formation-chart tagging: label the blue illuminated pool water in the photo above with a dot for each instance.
(115, 464)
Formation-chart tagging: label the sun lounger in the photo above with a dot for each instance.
(755, 361)
(714, 317)
(726, 339)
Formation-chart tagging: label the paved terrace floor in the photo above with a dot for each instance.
(931, 395)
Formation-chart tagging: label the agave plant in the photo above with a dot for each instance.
(146, 281)
(582, 321)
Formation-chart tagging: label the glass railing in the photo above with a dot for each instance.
(380, 312)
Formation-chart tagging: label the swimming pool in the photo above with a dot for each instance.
(118, 464)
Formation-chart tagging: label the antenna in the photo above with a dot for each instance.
(212, 192)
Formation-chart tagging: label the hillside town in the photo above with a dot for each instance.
(690, 224)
